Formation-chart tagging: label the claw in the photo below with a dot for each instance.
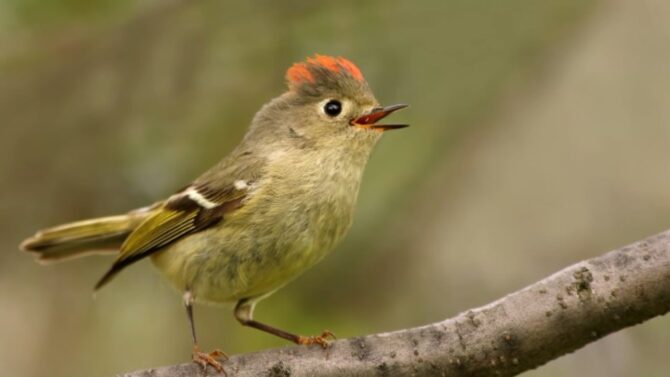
(204, 359)
(323, 340)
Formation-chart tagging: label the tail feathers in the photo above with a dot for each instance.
(105, 234)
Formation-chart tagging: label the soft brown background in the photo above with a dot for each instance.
(540, 134)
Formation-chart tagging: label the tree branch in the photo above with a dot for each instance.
(521, 331)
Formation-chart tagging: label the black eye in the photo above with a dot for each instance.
(333, 108)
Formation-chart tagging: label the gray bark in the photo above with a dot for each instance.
(518, 332)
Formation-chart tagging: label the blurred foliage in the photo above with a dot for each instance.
(507, 173)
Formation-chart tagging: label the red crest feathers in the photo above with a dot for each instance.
(300, 72)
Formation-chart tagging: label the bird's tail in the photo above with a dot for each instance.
(80, 238)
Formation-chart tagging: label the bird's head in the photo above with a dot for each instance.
(328, 102)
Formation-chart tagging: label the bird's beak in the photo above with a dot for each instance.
(370, 120)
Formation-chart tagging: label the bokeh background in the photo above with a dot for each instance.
(540, 134)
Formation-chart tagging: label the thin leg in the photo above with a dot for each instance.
(188, 303)
(199, 357)
(244, 314)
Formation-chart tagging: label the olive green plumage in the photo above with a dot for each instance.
(276, 205)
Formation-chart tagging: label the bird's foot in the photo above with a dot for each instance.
(323, 340)
(204, 359)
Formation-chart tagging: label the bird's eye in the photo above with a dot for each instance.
(333, 108)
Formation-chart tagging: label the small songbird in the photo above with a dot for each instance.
(276, 205)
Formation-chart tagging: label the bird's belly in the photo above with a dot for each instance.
(228, 264)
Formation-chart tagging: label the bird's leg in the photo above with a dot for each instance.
(244, 314)
(199, 357)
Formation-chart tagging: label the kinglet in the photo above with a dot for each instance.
(276, 205)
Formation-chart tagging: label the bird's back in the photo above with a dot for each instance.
(294, 214)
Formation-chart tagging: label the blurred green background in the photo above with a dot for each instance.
(540, 133)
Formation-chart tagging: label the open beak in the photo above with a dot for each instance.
(370, 120)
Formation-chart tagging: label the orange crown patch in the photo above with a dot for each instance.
(301, 73)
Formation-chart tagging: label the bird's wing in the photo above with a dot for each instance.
(195, 208)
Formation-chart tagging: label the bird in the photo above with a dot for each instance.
(273, 207)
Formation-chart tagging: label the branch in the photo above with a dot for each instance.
(521, 331)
